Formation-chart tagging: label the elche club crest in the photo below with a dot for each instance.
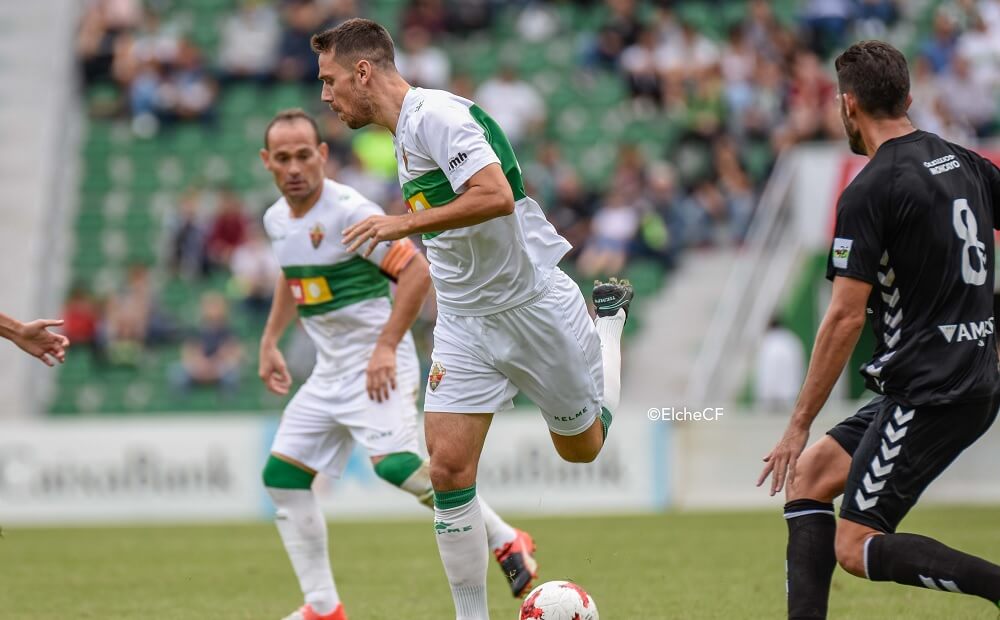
(435, 375)
(316, 234)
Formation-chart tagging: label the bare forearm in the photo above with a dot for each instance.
(9, 327)
(475, 206)
(414, 283)
(835, 340)
(282, 313)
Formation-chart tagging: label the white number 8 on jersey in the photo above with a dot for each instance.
(968, 231)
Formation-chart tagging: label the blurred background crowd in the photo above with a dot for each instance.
(646, 130)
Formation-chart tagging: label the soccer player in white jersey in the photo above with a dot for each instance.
(343, 300)
(508, 318)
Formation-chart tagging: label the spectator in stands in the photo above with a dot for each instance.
(248, 49)
(81, 317)
(428, 15)
(572, 210)
(736, 187)
(825, 23)
(227, 231)
(255, 272)
(812, 113)
(638, 61)
(515, 104)
(128, 312)
(688, 57)
(421, 63)
(873, 17)
(764, 109)
(212, 356)
(703, 214)
(102, 23)
(465, 16)
(612, 230)
(603, 52)
(781, 364)
(297, 61)
(623, 18)
(980, 47)
(187, 240)
(940, 48)
(189, 91)
(661, 197)
(969, 101)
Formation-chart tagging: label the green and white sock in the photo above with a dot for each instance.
(461, 539)
(303, 531)
(609, 330)
(498, 532)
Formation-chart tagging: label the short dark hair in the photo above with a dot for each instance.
(355, 39)
(875, 73)
(288, 115)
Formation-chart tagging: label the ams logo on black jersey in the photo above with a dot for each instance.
(963, 332)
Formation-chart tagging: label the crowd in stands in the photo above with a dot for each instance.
(763, 83)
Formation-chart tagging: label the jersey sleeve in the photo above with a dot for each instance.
(992, 174)
(859, 239)
(391, 257)
(455, 142)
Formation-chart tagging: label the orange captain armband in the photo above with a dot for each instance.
(398, 257)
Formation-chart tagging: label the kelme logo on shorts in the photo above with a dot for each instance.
(570, 418)
(436, 374)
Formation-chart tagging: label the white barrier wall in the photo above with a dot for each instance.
(189, 469)
(179, 469)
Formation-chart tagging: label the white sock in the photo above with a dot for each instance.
(303, 531)
(461, 539)
(498, 532)
(609, 330)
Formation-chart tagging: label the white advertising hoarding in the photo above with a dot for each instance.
(130, 470)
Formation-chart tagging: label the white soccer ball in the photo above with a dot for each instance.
(558, 600)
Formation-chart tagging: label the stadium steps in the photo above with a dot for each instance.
(38, 121)
(657, 366)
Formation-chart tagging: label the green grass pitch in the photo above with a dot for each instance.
(677, 566)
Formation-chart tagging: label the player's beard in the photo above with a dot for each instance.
(854, 139)
(364, 109)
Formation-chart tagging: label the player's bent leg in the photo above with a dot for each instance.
(454, 442)
(302, 528)
(611, 304)
(409, 472)
(820, 475)
(902, 452)
(583, 447)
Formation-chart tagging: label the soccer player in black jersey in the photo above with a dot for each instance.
(913, 252)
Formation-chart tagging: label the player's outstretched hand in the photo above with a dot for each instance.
(273, 371)
(375, 228)
(35, 339)
(780, 463)
(381, 375)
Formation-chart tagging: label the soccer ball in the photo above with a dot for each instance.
(558, 600)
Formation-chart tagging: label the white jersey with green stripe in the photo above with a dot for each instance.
(343, 299)
(441, 141)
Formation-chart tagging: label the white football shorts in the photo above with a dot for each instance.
(323, 421)
(547, 347)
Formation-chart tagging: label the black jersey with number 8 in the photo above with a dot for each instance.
(917, 223)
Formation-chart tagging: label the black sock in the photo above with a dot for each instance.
(810, 558)
(915, 560)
